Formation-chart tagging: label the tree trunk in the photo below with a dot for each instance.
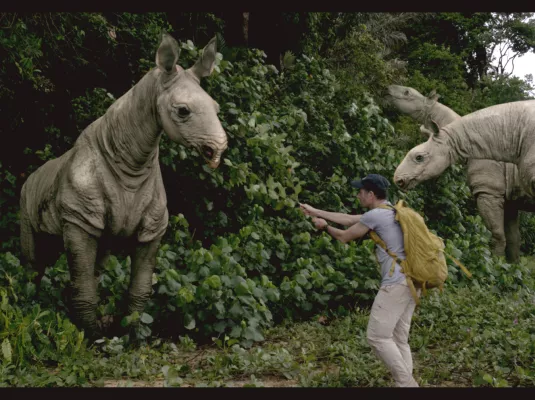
(236, 28)
(275, 33)
(482, 63)
(246, 27)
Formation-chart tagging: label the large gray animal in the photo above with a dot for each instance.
(495, 185)
(107, 191)
(503, 133)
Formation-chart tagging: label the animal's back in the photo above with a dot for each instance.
(505, 113)
(503, 132)
(513, 123)
(39, 193)
(511, 116)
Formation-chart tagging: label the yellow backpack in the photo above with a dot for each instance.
(425, 266)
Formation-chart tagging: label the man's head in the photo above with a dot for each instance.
(372, 188)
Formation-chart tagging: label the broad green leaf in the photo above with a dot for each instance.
(189, 321)
(146, 318)
(301, 279)
(242, 289)
(213, 281)
(6, 350)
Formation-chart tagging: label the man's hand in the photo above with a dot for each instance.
(309, 210)
(320, 223)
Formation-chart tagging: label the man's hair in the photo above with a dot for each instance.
(379, 193)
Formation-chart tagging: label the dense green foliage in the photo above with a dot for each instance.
(238, 255)
(490, 344)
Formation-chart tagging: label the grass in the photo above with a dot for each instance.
(462, 337)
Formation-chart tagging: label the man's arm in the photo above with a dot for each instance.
(339, 218)
(356, 231)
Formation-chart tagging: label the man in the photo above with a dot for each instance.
(391, 313)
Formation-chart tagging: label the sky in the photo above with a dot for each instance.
(524, 65)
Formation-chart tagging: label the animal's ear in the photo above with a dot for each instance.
(426, 133)
(206, 62)
(435, 128)
(167, 54)
(434, 96)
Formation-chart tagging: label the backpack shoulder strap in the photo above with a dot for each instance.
(386, 206)
(375, 237)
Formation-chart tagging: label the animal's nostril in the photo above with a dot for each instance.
(400, 182)
(208, 152)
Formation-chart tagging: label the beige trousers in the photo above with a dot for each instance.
(388, 331)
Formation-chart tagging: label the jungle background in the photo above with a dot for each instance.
(246, 292)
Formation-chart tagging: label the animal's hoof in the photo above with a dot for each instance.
(106, 321)
(110, 326)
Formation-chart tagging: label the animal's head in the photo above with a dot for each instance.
(425, 161)
(408, 100)
(187, 113)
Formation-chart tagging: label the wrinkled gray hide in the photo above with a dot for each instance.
(106, 193)
(503, 133)
(494, 184)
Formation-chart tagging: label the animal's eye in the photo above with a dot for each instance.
(407, 93)
(183, 111)
(419, 158)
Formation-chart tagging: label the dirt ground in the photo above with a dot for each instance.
(264, 382)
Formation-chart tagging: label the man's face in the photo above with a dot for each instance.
(365, 197)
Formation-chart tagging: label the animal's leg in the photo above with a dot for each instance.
(27, 240)
(143, 263)
(491, 210)
(526, 173)
(29, 245)
(512, 232)
(81, 248)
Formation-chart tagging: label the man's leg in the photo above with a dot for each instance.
(401, 333)
(389, 306)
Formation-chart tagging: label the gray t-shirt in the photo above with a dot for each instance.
(383, 222)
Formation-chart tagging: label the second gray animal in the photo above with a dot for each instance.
(495, 185)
